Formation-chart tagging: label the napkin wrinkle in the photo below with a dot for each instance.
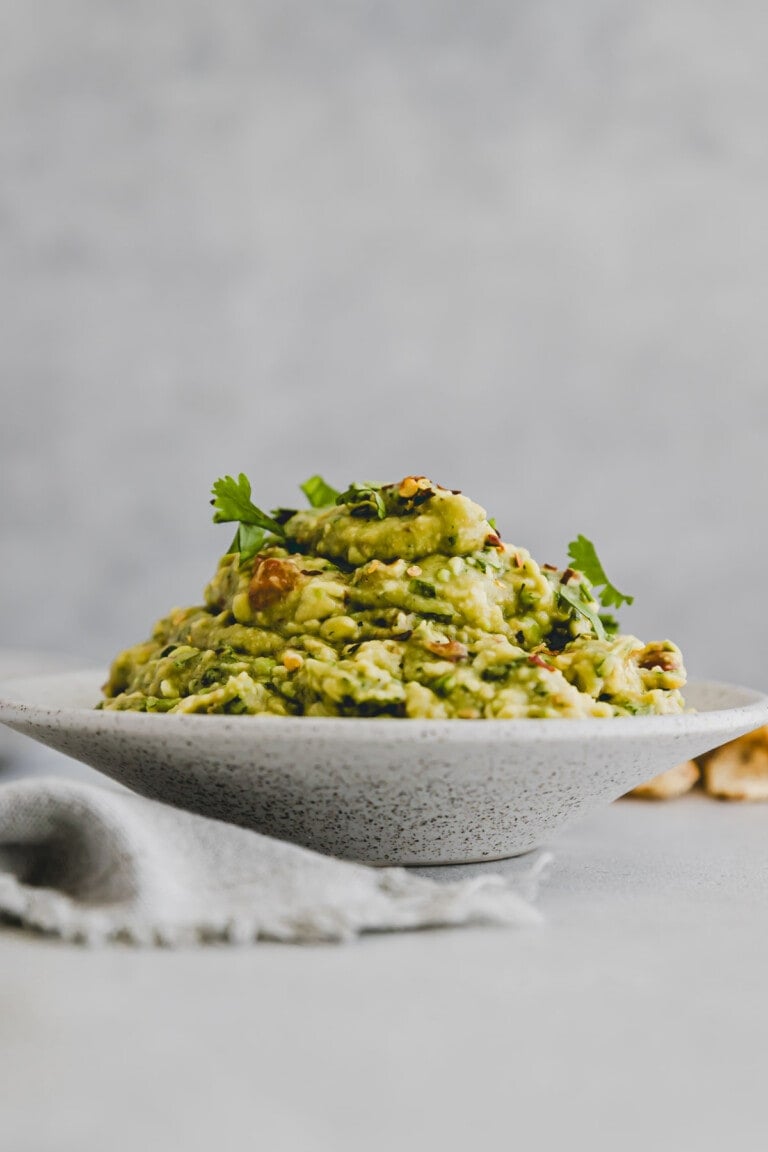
(93, 865)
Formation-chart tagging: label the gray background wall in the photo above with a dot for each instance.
(521, 247)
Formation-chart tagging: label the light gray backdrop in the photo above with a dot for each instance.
(520, 247)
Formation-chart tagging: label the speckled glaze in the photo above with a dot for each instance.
(380, 791)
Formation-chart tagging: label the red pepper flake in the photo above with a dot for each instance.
(451, 650)
(493, 540)
(412, 485)
(549, 567)
(534, 658)
(516, 560)
(567, 575)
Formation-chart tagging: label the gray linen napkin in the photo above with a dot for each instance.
(93, 864)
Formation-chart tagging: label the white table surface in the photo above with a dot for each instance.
(636, 1018)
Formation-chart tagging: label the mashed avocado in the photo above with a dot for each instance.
(395, 600)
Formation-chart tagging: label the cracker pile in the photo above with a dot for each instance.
(736, 771)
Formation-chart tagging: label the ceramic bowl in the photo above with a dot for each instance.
(17, 662)
(382, 791)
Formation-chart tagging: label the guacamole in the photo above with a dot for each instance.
(396, 600)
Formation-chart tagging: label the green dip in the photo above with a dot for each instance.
(409, 605)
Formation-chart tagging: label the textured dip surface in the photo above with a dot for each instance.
(400, 601)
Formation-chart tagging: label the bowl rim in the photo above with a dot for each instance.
(16, 711)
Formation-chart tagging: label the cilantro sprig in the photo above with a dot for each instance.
(364, 500)
(319, 493)
(586, 560)
(232, 503)
(572, 595)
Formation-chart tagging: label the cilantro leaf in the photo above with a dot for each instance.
(232, 502)
(585, 559)
(364, 500)
(610, 623)
(572, 596)
(249, 539)
(424, 589)
(319, 494)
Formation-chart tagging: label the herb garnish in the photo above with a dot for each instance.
(364, 500)
(584, 556)
(582, 552)
(610, 623)
(423, 588)
(319, 493)
(571, 594)
(232, 503)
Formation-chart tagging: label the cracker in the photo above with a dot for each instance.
(675, 782)
(738, 770)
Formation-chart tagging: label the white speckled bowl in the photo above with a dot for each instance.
(383, 791)
(17, 662)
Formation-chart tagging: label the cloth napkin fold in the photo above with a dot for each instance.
(92, 865)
